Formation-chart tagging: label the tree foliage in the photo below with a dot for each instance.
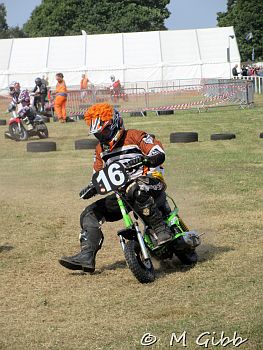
(245, 16)
(3, 23)
(69, 17)
(5, 31)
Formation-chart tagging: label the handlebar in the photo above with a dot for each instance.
(131, 167)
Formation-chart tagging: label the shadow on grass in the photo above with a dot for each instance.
(5, 248)
(120, 264)
(209, 252)
(206, 252)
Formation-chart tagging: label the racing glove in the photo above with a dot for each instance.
(136, 160)
(88, 192)
(151, 161)
(154, 160)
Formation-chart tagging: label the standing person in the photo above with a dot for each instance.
(83, 86)
(115, 89)
(61, 98)
(45, 80)
(244, 71)
(234, 71)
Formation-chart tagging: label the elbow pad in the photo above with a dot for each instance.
(154, 160)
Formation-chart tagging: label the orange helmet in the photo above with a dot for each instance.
(105, 123)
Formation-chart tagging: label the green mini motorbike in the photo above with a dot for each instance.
(140, 244)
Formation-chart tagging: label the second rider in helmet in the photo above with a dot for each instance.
(40, 91)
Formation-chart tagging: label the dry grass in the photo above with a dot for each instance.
(218, 187)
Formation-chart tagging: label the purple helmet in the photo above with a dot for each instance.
(24, 97)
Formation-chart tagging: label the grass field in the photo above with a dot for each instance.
(218, 188)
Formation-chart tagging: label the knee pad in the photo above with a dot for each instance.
(138, 188)
(88, 219)
(145, 207)
(143, 198)
(131, 189)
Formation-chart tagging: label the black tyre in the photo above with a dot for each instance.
(45, 119)
(261, 135)
(41, 146)
(86, 144)
(183, 137)
(141, 269)
(43, 134)
(18, 133)
(2, 122)
(187, 257)
(70, 120)
(228, 136)
(138, 114)
(167, 112)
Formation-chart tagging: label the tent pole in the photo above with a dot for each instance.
(161, 55)
(9, 60)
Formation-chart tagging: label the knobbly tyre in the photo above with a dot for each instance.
(24, 124)
(138, 246)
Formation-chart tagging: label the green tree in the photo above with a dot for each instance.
(245, 16)
(69, 17)
(5, 31)
(16, 32)
(3, 23)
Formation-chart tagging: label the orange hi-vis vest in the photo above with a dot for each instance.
(84, 83)
(61, 89)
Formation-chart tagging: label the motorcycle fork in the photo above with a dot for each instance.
(19, 126)
(129, 224)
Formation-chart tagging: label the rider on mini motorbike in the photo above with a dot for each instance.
(146, 191)
(14, 92)
(40, 91)
(21, 98)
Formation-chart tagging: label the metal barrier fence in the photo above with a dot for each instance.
(206, 94)
(210, 93)
(257, 82)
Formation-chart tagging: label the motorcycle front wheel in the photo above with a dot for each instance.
(18, 134)
(142, 269)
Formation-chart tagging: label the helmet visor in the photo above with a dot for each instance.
(105, 135)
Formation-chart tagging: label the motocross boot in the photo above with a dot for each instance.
(90, 243)
(28, 123)
(153, 218)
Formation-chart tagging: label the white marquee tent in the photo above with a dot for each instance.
(131, 57)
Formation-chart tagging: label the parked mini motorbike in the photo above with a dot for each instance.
(24, 124)
(140, 244)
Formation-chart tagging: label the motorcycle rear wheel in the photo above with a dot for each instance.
(43, 134)
(142, 270)
(187, 257)
(16, 134)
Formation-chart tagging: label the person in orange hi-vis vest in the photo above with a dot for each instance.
(83, 86)
(61, 98)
